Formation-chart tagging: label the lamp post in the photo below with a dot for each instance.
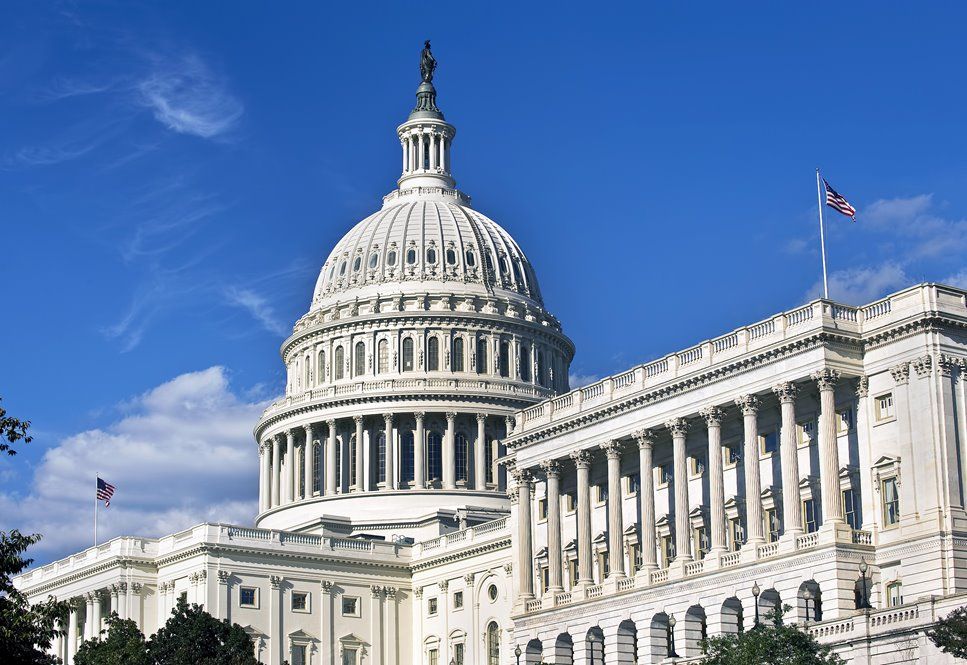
(807, 595)
(590, 641)
(755, 594)
(864, 603)
(671, 637)
(518, 652)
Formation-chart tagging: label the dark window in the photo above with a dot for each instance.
(339, 368)
(434, 451)
(381, 458)
(411, 256)
(342, 269)
(432, 354)
(457, 361)
(462, 457)
(525, 364)
(504, 359)
(406, 457)
(482, 358)
(391, 258)
(408, 354)
(451, 257)
(246, 596)
(360, 358)
(471, 259)
(431, 255)
(373, 259)
(851, 508)
(356, 263)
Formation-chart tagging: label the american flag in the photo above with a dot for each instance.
(836, 201)
(105, 491)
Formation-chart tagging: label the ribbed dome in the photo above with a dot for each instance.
(422, 246)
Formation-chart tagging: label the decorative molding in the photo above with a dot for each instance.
(826, 378)
(612, 449)
(863, 387)
(275, 581)
(678, 427)
(326, 586)
(713, 416)
(551, 468)
(901, 373)
(923, 366)
(224, 576)
(786, 392)
(582, 458)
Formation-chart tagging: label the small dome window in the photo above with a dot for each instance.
(411, 256)
(332, 271)
(492, 592)
(373, 259)
(342, 269)
(431, 255)
(517, 277)
(503, 265)
(391, 258)
(356, 263)
(451, 257)
(471, 259)
(490, 263)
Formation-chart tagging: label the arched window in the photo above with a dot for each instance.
(482, 358)
(461, 457)
(451, 257)
(490, 262)
(342, 268)
(408, 354)
(339, 361)
(410, 256)
(457, 360)
(381, 458)
(391, 258)
(316, 465)
(432, 354)
(356, 263)
(471, 259)
(339, 473)
(382, 352)
(541, 369)
(431, 256)
(490, 452)
(308, 373)
(373, 259)
(493, 643)
(360, 355)
(352, 460)
(434, 453)
(406, 457)
(517, 278)
(525, 364)
(504, 359)
(321, 368)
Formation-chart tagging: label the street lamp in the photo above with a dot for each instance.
(864, 603)
(671, 637)
(590, 647)
(755, 594)
(518, 652)
(807, 595)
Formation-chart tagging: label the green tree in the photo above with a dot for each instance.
(26, 630)
(13, 430)
(771, 642)
(950, 634)
(192, 636)
(122, 645)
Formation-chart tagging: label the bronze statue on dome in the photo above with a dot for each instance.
(427, 62)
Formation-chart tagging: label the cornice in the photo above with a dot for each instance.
(122, 562)
(459, 555)
(318, 556)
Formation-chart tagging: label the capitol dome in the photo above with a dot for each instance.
(425, 334)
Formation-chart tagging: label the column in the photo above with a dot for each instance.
(331, 459)
(749, 405)
(288, 484)
(277, 640)
(360, 467)
(96, 622)
(403, 142)
(646, 495)
(412, 153)
(525, 554)
(683, 540)
(296, 474)
(420, 151)
(136, 604)
(327, 646)
(276, 470)
(419, 445)
(390, 435)
(480, 454)
(616, 529)
(828, 452)
(582, 460)
(376, 624)
(433, 151)
(441, 160)
(72, 622)
(89, 616)
(310, 462)
(392, 625)
(449, 453)
(789, 459)
(552, 469)
(262, 476)
(113, 599)
(716, 480)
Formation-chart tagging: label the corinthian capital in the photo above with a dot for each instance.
(308, 429)
(748, 404)
(645, 438)
(901, 374)
(713, 416)
(582, 458)
(419, 415)
(923, 365)
(551, 468)
(826, 378)
(677, 426)
(451, 416)
(786, 392)
(612, 448)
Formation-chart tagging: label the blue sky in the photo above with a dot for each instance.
(172, 176)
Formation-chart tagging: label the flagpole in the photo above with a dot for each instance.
(822, 235)
(95, 509)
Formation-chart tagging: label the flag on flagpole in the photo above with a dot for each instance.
(105, 491)
(838, 203)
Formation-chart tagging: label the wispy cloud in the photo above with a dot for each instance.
(858, 286)
(65, 88)
(258, 307)
(189, 99)
(577, 380)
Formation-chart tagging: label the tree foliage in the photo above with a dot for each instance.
(26, 631)
(950, 633)
(191, 636)
(770, 642)
(13, 430)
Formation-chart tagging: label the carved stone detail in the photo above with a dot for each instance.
(713, 416)
(826, 378)
(748, 404)
(786, 392)
(551, 468)
(677, 426)
(901, 374)
(923, 365)
(582, 458)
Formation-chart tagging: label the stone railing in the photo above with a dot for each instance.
(862, 537)
(694, 567)
(730, 559)
(807, 540)
(818, 315)
(563, 598)
(767, 550)
(532, 605)
(625, 584)
(498, 528)
(659, 576)
(595, 591)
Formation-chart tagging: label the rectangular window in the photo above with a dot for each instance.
(604, 566)
(851, 508)
(545, 579)
(541, 509)
(431, 606)
(730, 457)
(248, 597)
(772, 525)
(570, 503)
(458, 600)
(433, 657)
(458, 653)
(700, 542)
(572, 572)
(696, 466)
(634, 557)
(667, 550)
(601, 493)
(300, 601)
(809, 515)
(890, 495)
(894, 594)
(844, 421)
(736, 533)
(350, 606)
(768, 443)
(884, 407)
(632, 484)
(298, 654)
(664, 474)
(807, 432)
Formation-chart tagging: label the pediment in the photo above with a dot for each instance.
(886, 460)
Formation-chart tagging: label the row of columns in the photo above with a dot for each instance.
(280, 486)
(713, 416)
(87, 613)
(420, 147)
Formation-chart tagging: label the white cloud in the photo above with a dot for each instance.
(179, 454)
(188, 99)
(258, 307)
(897, 211)
(576, 380)
(958, 279)
(858, 286)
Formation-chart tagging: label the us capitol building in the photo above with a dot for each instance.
(432, 491)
